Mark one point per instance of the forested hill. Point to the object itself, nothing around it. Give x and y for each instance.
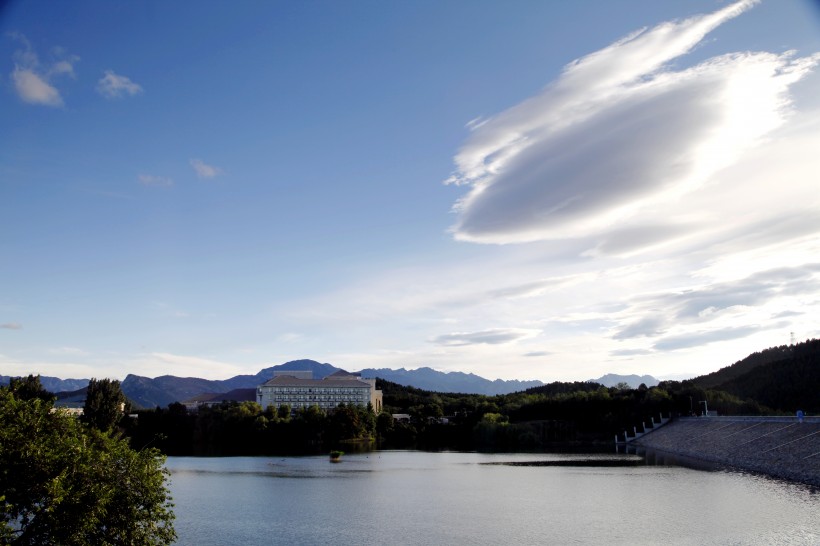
(748, 364)
(559, 387)
(785, 378)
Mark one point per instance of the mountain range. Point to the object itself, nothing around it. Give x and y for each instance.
(160, 391)
(53, 384)
(429, 379)
(634, 381)
(782, 377)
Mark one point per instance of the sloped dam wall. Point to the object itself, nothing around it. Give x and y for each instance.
(781, 447)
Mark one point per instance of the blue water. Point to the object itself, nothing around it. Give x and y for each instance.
(457, 498)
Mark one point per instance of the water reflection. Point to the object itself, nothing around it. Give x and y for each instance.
(436, 498)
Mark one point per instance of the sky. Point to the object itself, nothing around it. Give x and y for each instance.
(526, 190)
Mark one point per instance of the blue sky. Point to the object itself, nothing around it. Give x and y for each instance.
(535, 190)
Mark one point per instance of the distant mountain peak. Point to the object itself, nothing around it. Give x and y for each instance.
(633, 380)
(428, 379)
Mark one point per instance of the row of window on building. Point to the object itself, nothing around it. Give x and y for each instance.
(285, 398)
(320, 390)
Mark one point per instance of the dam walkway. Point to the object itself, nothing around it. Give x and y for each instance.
(777, 446)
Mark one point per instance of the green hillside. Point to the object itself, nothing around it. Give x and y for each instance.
(787, 383)
(742, 367)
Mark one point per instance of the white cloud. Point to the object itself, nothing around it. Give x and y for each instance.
(188, 366)
(768, 302)
(114, 86)
(11, 326)
(68, 362)
(63, 67)
(673, 210)
(33, 79)
(33, 89)
(494, 336)
(156, 181)
(72, 351)
(705, 337)
(620, 135)
(169, 310)
(203, 170)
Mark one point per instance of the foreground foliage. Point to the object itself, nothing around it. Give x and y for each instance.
(64, 483)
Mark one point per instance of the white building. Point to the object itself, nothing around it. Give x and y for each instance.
(299, 392)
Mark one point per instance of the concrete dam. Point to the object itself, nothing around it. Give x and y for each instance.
(782, 447)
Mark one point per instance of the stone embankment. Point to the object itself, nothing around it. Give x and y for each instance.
(777, 446)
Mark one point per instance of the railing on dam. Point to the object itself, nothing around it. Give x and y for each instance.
(646, 427)
(638, 431)
(755, 418)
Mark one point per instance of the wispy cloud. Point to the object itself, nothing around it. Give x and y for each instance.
(71, 351)
(703, 305)
(169, 310)
(534, 354)
(12, 326)
(114, 86)
(696, 339)
(203, 170)
(618, 134)
(70, 362)
(191, 365)
(34, 80)
(155, 181)
(631, 352)
(645, 327)
(494, 336)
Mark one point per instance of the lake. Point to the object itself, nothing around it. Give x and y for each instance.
(410, 497)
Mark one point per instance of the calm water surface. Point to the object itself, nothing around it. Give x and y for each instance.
(398, 497)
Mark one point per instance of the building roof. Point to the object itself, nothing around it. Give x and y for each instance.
(301, 374)
(330, 381)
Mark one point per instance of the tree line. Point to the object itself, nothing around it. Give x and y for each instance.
(244, 428)
(554, 416)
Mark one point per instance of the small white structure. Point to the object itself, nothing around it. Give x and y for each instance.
(74, 412)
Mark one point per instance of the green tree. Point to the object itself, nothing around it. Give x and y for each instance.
(384, 424)
(63, 483)
(494, 418)
(345, 423)
(104, 404)
(29, 388)
(368, 419)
